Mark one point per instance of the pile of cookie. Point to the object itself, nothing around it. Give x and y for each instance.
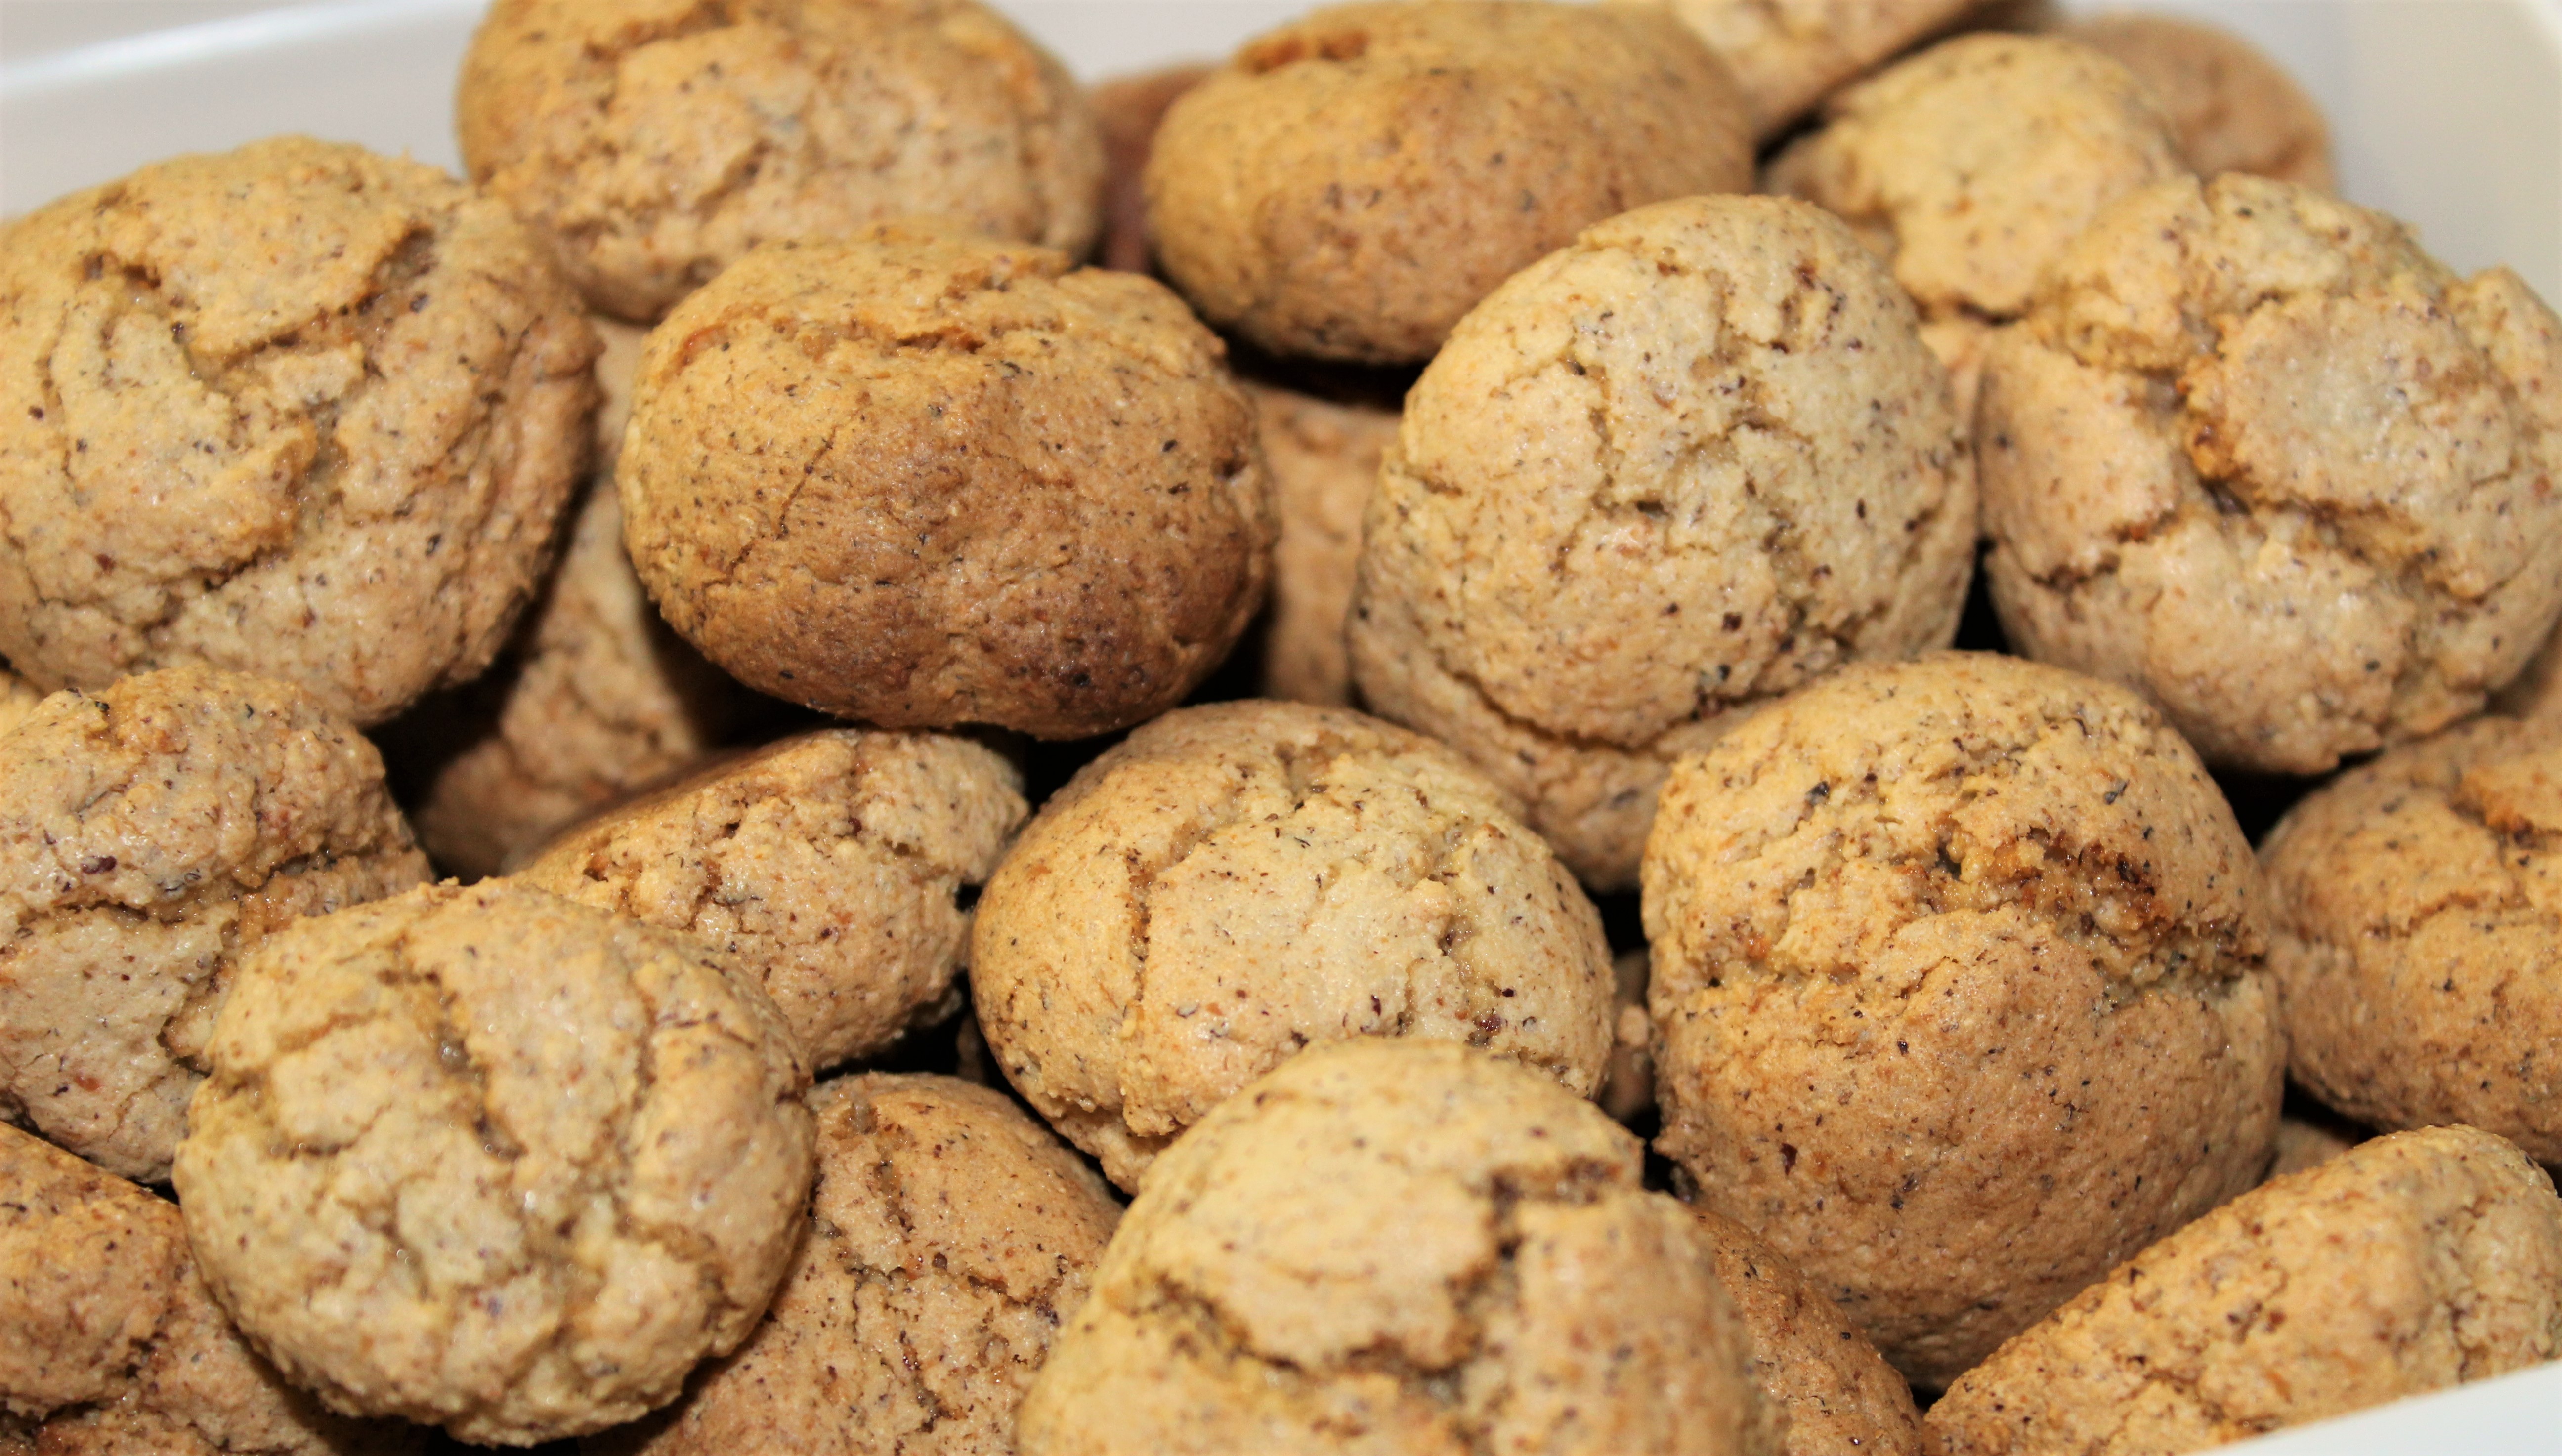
(816, 623)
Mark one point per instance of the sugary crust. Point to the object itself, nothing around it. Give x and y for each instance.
(2232, 108)
(1787, 55)
(1324, 460)
(1841, 1396)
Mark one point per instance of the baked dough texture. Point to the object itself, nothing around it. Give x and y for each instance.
(2418, 905)
(1787, 55)
(295, 410)
(2303, 1143)
(2411, 1263)
(485, 1159)
(1666, 474)
(1395, 1247)
(950, 1238)
(1129, 109)
(1324, 460)
(831, 866)
(2257, 456)
(18, 699)
(1842, 1397)
(1233, 883)
(1350, 184)
(2231, 107)
(1958, 991)
(651, 143)
(150, 835)
(924, 480)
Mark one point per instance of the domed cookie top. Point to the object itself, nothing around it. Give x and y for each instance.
(1787, 54)
(2231, 107)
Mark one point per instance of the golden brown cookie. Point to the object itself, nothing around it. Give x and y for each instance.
(654, 142)
(2304, 1142)
(1957, 995)
(1842, 1397)
(1628, 1083)
(1698, 458)
(2257, 456)
(2418, 906)
(1129, 108)
(2411, 1263)
(950, 1237)
(1324, 460)
(1395, 1247)
(18, 699)
(485, 1159)
(295, 410)
(1348, 185)
(2534, 694)
(2231, 107)
(150, 835)
(1048, 510)
(1787, 54)
(834, 866)
(1234, 882)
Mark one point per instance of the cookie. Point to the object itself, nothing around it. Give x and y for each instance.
(1397, 1246)
(1628, 1083)
(2257, 456)
(2534, 694)
(1348, 185)
(1786, 54)
(1667, 475)
(1958, 991)
(1840, 1394)
(2305, 1142)
(2418, 938)
(1129, 109)
(950, 1238)
(836, 867)
(1233, 883)
(150, 837)
(257, 409)
(1049, 515)
(488, 1159)
(2231, 107)
(1324, 460)
(652, 144)
(18, 699)
(2411, 1263)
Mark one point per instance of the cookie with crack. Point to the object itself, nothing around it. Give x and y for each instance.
(1786, 54)
(2231, 107)
(2411, 1263)
(1324, 459)
(2257, 456)
(490, 1159)
(150, 837)
(950, 1238)
(651, 143)
(1402, 1247)
(1958, 991)
(1689, 463)
(1840, 1394)
(257, 408)
(1348, 185)
(1049, 512)
(1233, 883)
(834, 867)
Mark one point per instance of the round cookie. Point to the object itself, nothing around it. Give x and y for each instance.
(1130, 109)
(1628, 1086)
(2418, 949)
(1956, 991)
(1234, 882)
(259, 410)
(1324, 460)
(1348, 185)
(2232, 108)
(2411, 1263)
(2257, 456)
(1691, 463)
(1398, 1246)
(1057, 518)
(150, 835)
(834, 867)
(1840, 1394)
(950, 1237)
(485, 1159)
(651, 143)
(1787, 55)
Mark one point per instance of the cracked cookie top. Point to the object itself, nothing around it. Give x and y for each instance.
(257, 409)
(1235, 882)
(487, 1159)
(924, 480)
(1398, 1246)
(150, 835)
(2409, 1263)
(2256, 455)
(654, 143)
(1682, 466)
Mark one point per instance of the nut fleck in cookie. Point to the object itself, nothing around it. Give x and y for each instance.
(1956, 993)
(1349, 184)
(1840, 1394)
(832, 866)
(1324, 460)
(150, 835)
(950, 1238)
(1685, 465)
(654, 142)
(485, 1159)
(1787, 54)
(295, 410)
(2231, 107)
(2257, 456)
(2419, 924)
(2411, 1263)
(925, 479)
(1235, 882)
(1397, 1246)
